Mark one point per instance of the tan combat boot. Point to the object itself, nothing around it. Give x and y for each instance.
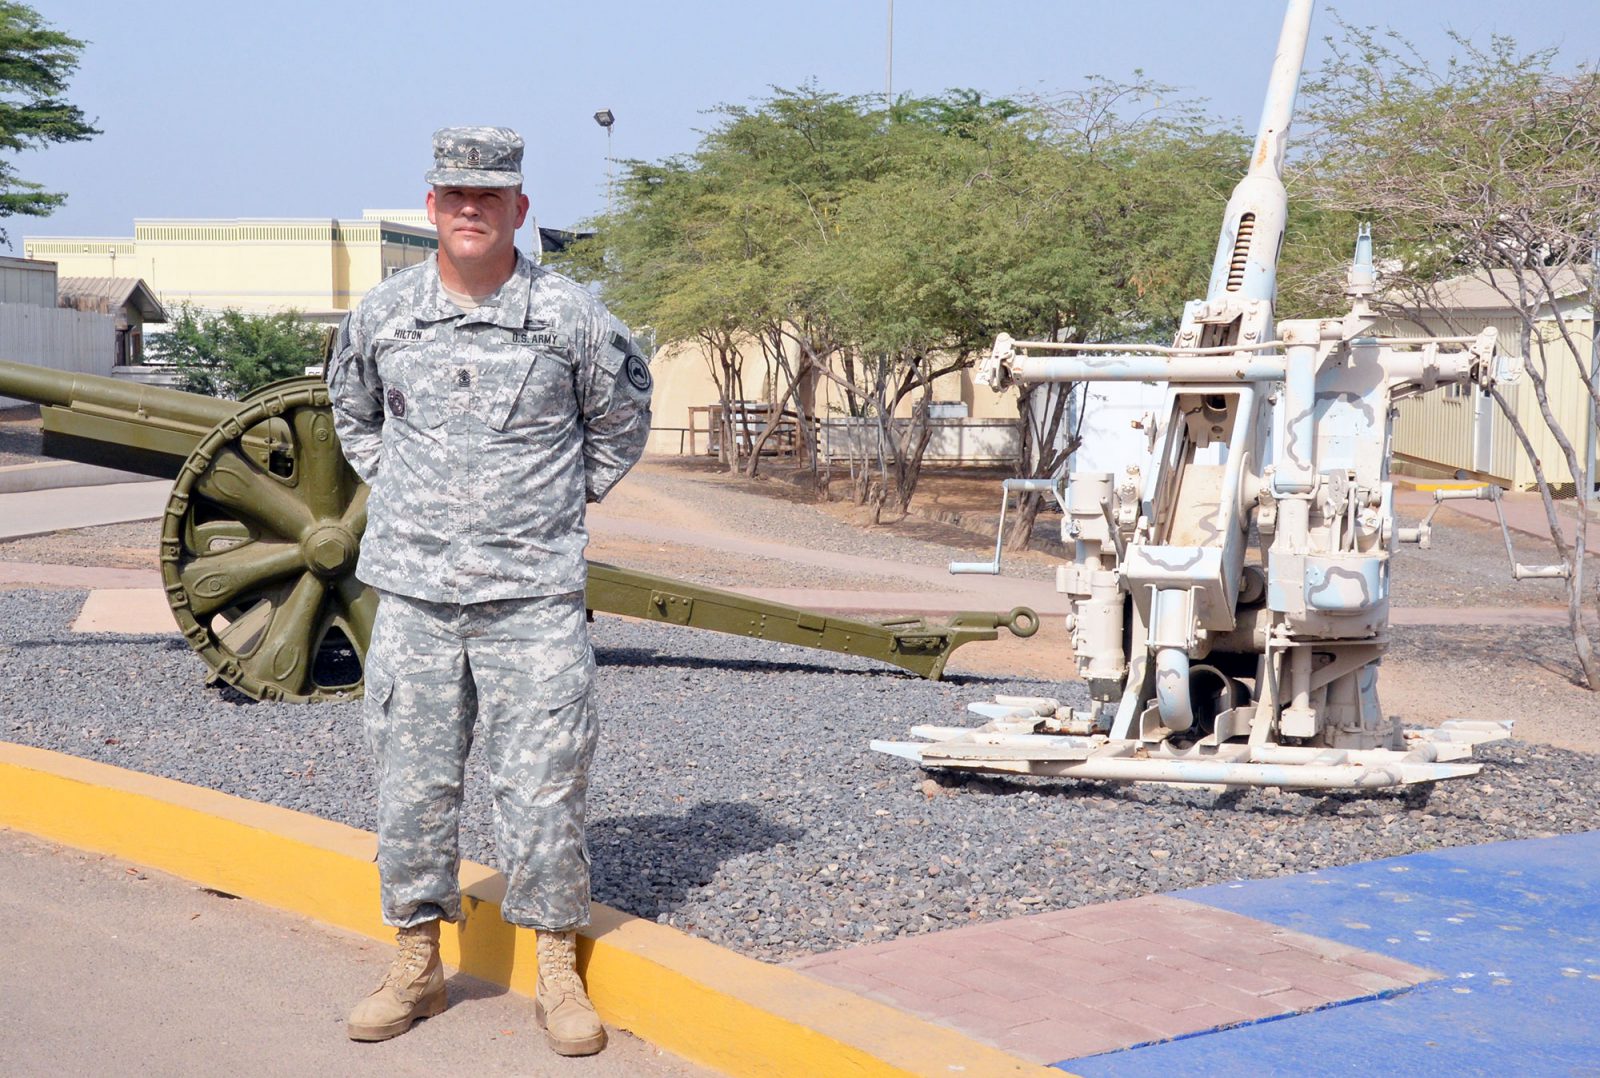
(413, 988)
(562, 1005)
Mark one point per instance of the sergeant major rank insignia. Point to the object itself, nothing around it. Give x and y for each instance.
(397, 402)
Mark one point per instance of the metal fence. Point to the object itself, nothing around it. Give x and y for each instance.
(58, 338)
(950, 441)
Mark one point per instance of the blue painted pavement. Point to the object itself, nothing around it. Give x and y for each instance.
(1514, 927)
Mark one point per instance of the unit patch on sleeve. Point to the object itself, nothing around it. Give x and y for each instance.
(637, 373)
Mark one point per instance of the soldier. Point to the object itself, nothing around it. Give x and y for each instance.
(484, 399)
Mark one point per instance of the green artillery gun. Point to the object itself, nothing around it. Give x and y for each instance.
(261, 532)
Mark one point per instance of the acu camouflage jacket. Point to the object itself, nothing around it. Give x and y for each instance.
(482, 434)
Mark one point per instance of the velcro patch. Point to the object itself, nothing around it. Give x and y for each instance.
(407, 335)
(637, 373)
(396, 401)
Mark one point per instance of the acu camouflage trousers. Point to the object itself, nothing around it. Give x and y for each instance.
(525, 670)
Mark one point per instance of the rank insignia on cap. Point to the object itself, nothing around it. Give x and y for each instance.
(397, 402)
(637, 373)
(476, 157)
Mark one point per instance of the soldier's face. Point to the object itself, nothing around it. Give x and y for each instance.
(477, 223)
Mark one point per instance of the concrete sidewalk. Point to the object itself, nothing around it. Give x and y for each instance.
(39, 512)
(114, 969)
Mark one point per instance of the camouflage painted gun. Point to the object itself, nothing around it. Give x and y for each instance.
(260, 535)
(1230, 580)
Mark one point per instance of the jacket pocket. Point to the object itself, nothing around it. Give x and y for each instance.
(532, 392)
(503, 386)
(415, 392)
(418, 403)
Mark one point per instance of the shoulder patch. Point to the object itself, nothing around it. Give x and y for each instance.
(637, 373)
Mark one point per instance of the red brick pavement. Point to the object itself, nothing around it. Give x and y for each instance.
(1057, 986)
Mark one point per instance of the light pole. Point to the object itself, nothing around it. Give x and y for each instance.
(888, 63)
(605, 119)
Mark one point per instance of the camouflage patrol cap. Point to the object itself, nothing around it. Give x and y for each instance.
(476, 157)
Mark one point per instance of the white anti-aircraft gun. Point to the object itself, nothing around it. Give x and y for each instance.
(1214, 655)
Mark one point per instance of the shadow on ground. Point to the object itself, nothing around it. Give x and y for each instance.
(647, 865)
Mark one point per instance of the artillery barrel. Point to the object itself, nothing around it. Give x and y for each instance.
(105, 421)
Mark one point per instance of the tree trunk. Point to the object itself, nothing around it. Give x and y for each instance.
(1580, 639)
(774, 421)
(1021, 533)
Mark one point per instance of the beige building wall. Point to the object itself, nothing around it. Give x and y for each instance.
(320, 267)
(683, 380)
(1459, 427)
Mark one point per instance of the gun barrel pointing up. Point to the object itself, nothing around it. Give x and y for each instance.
(1246, 263)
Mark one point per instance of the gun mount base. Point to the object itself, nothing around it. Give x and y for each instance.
(1007, 745)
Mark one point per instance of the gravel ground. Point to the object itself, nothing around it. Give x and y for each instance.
(735, 796)
(21, 436)
(1466, 565)
(114, 546)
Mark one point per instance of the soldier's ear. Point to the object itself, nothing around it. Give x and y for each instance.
(432, 212)
(522, 208)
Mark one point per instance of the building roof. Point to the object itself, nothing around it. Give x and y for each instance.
(1475, 292)
(108, 295)
(37, 265)
(415, 215)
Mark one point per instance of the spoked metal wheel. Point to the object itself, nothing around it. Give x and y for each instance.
(258, 550)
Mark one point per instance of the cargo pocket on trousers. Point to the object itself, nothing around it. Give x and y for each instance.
(379, 686)
(563, 688)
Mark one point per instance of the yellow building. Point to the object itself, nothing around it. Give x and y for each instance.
(1459, 427)
(320, 267)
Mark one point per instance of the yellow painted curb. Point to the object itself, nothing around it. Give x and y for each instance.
(693, 998)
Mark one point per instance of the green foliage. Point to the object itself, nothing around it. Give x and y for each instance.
(232, 353)
(931, 225)
(888, 246)
(35, 64)
(1487, 161)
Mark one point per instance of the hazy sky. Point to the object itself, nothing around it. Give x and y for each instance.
(320, 109)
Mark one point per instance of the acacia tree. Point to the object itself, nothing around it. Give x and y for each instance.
(1101, 235)
(881, 249)
(788, 164)
(35, 64)
(902, 279)
(746, 237)
(1485, 166)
